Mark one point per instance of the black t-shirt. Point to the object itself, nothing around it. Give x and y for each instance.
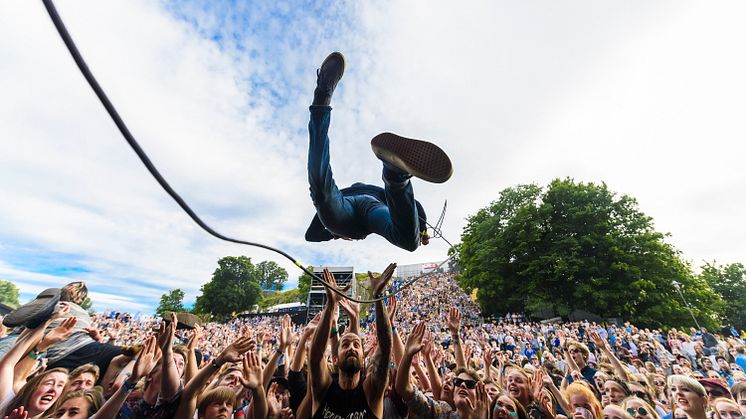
(344, 404)
(297, 388)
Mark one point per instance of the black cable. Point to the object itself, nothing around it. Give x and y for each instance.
(78, 58)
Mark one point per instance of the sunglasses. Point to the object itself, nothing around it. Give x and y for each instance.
(640, 394)
(574, 351)
(659, 383)
(641, 411)
(470, 384)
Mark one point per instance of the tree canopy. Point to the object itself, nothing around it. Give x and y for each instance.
(9, 294)
(729, 281)
(234, 287)
(271, 275)
(171, 301)
(574, 246)
(304, 285)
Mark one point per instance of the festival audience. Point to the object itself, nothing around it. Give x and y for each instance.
(423, 353)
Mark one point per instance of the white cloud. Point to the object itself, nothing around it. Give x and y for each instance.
(648, 97)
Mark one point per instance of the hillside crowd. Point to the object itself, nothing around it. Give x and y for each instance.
(423, 353)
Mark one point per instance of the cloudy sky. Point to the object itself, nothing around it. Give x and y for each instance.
(647, 96)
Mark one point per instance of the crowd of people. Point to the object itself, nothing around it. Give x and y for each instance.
(423, 353)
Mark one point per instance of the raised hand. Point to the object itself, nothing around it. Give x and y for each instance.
(378, 285)
(146, 360)
(332, 296)
(598, 340)
(61, 312)
(235, 350)
(194, 336)
(487, 356)
(537, 383)
(453, 320)
(19, 413)
(252, 371)
(414, 341)
(427, 345)
(113, 331)
(391, 308)
(467, 353)
(273, 400)
(481, 407)
(350, 307)
(439, 357)
(286, 331)
(59, 333)
(92, 332)
(548, 383)
(166, 334)
(561, 337)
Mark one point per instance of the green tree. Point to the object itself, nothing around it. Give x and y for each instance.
(578, 246)
(9, 293)
(271, 275)
(171, 301)
(281, 297)
(729, 281)
(304, 285)
(234, 287)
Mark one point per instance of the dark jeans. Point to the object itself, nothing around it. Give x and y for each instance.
(357, 216)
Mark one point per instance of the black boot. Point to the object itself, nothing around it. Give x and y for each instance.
(327, 77)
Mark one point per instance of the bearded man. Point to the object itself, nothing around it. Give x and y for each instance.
(346, 394)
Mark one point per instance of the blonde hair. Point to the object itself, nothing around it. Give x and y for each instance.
(723, 400)
(24, 395)
(581, 347)
(689, 382)
(86, 368)
(220, 394)
(94, 398)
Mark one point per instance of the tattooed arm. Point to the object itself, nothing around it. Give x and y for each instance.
(377, 380)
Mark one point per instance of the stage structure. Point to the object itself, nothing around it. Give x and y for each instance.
(317, 295)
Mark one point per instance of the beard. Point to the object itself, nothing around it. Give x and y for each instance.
(350, 365)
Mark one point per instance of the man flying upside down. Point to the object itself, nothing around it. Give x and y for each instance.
(355, 212)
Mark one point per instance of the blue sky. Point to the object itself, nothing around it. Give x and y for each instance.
(646, 96)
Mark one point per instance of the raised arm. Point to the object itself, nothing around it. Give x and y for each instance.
(252, 379)
(286, 330)
(319, 371)
(397, 347)
(24, 367)
(403, 385)
(353, 312)
(549, 383)
(23, 345)
(432, 371)
(377, 380)
(299, 356)
(146, 360)
(170, 379)
(232, 353)
(191, 368)
(453, 321)
(602, 344)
